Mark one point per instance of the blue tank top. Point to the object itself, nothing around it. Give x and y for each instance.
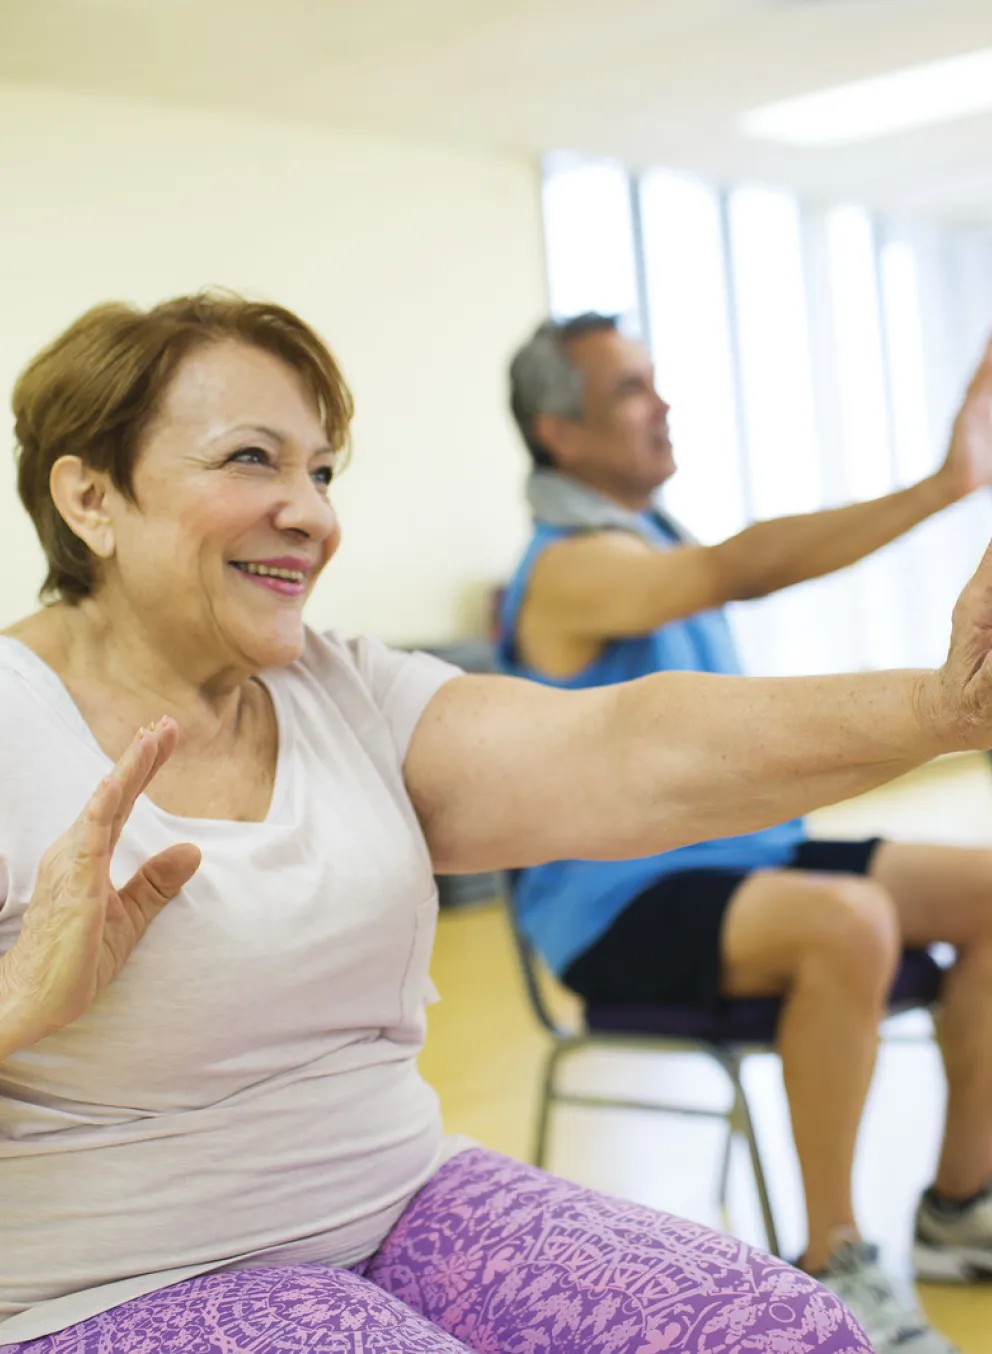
(565, 906)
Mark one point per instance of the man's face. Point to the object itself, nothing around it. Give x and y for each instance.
(622, 444)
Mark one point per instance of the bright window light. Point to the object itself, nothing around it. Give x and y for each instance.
(773, 335)
(691, 343)
(859, 352)
(589, 233)
(918, 96)
(781, 634)
(907, 364)
(872, 593)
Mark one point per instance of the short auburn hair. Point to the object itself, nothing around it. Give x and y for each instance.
(93, 392)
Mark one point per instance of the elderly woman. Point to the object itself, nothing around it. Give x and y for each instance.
(213, 1133)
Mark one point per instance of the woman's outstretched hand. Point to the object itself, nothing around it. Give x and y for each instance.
(956, 699)
(78, 930)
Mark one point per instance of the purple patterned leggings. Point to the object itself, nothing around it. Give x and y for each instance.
(495, 1256)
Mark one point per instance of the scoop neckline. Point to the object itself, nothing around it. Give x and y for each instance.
(71, 715)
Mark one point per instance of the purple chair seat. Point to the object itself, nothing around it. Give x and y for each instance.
(752, 1021)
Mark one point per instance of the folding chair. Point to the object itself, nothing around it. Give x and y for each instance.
(727, 1035)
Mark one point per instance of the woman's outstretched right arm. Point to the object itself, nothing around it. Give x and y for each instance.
(507, 773)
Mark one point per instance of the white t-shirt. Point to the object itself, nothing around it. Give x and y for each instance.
(246, 1090)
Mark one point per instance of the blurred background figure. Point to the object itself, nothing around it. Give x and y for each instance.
(609, 590)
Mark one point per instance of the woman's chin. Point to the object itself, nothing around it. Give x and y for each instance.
(274, 648)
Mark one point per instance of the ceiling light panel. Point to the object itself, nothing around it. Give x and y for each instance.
(919, 96)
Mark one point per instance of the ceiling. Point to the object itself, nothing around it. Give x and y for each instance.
(649, 81)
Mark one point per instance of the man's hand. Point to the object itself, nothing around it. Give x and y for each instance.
(968, 465)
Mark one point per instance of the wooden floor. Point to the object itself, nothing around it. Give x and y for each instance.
(485, 1053)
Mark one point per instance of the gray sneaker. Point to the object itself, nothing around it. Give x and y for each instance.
(955, 1247)
(888, 1312)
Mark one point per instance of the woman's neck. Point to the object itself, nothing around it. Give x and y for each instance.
(89, 650)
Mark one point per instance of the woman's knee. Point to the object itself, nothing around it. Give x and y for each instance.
(313, 1307)
(504, 1256)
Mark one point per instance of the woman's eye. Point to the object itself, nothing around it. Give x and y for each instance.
(251, 456)
(324, 475)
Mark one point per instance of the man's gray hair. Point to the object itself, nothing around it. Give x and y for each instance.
(544, 381)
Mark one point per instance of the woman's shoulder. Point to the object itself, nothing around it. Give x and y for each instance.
(41, 751)
(22, 672)
(367, 662)
(358, 672)
(333, 660)
(45, 767)
(43, 633)
(32, 654)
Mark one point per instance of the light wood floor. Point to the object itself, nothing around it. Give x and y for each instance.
(485, 1052)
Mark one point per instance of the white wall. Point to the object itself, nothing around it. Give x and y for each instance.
(421, 267)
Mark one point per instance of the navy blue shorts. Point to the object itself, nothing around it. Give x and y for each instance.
(665, 944)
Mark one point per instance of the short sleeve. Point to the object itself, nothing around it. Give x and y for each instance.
(402, 684)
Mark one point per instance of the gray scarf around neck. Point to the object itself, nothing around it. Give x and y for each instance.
(557, 500)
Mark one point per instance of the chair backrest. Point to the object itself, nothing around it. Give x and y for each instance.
(529, 962)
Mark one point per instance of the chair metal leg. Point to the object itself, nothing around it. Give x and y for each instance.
(547, 1097)
(761, 1184)
(739, 1121)
(745, 1123)
(724, 1186)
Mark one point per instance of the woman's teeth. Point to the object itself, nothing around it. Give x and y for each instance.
(268, 571)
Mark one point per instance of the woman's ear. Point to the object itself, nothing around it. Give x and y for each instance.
(80, 495)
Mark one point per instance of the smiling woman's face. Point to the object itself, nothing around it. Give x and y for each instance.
(231, 522)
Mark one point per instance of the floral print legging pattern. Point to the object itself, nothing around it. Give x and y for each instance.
(494, 1256)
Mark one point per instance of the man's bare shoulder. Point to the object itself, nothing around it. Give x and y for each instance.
(593, 546)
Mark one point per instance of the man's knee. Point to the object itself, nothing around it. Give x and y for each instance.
(855, 932)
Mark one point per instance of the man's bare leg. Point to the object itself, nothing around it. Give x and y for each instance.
(830, 943)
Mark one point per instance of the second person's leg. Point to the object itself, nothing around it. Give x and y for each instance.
(945, 893)
(829, 944)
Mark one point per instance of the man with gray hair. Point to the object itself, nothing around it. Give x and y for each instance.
(610, 590)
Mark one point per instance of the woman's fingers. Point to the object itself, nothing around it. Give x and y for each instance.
(99, 826)
(158, 880)
(149, 751)
(93, 831)
(77, 931)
